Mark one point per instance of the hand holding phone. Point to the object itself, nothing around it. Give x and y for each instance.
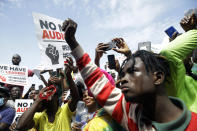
(49, 91)
(170, 31)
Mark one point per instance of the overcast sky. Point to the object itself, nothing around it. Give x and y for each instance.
(98, 21)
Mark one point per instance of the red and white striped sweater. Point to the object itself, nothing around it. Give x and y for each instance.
(111, 98)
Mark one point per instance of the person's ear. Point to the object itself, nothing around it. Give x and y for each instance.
(158, 78)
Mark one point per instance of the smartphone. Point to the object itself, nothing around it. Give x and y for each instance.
(144, 46)
(170, 31)
(111, 61)
(112, 44)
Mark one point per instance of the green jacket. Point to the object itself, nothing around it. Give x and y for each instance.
(179, 84)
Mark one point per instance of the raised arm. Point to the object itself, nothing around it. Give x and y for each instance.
(26, 120)
(73, 89)
(109, 97)
(182, 46)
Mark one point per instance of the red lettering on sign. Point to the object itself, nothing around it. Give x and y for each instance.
(22, 109)
(58, 35)
(53, 35)
(45, 34)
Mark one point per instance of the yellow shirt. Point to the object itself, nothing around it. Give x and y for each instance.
(32, 129)
(102, 122)
(62, 120)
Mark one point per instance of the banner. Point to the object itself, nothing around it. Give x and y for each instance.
(51, 41)
(21, 105)
(14, 75)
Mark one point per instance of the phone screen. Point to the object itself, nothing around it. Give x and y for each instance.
(144, 46)
(111, 45)
(111, 60)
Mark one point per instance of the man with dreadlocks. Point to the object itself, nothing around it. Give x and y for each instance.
(141, 103)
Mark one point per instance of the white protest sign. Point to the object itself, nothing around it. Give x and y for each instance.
(14, 75)
(51, 41)
(21, 105)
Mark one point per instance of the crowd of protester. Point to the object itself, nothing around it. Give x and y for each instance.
(151, 92)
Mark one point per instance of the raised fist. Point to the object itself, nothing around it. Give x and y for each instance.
(53, 54)
(69, 27)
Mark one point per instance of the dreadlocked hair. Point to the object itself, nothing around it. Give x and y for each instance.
(152, 61)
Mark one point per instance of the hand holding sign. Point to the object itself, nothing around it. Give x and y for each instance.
(53, 54)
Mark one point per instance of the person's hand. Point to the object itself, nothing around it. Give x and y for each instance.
(117, 65)
(39, 100)
(53, 54)
(174, 35)
(189, 22)
(76, 126)
(13, 126)
(118, 83)
(100, 49)
(122, 47)
(69, 66)
(42, 91)
(55, 80)
(70, 27)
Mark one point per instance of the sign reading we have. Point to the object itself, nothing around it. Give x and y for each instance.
(15, 75)
(51, 41)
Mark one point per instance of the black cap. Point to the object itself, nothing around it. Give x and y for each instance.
(5, 90)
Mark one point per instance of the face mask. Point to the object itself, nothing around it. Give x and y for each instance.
(1, 101)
